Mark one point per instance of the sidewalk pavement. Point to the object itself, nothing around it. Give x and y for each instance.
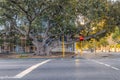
(102, 55)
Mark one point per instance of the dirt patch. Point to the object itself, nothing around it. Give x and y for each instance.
(53, 55)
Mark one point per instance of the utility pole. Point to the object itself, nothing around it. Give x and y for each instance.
(63, 47)
(94, 46)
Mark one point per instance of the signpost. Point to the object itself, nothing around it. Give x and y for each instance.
(63, 47)
(78, 45)
(81, 38)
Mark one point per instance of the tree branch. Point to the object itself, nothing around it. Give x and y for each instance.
(96, 34)
(38, 14)
(14, 2)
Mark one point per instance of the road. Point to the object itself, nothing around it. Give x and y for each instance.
(60, 69)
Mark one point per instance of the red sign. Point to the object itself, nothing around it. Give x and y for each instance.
(81, 38)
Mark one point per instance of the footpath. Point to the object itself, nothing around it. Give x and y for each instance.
(101, 55)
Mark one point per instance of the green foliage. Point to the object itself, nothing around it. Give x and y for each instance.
(96, 13)
(116, 35)
(32, 16)
(93, 9)
(104, 42)
(115, 13)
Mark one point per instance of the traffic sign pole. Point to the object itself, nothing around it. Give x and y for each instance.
(63, 47)
(81, 41)
(81, 53)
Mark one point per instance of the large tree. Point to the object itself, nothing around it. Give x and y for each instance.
(40, 20)
(44, 21)
(115, 16)
(116, 35)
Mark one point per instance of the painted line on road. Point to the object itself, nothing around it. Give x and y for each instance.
(5, 77)
(107, 65)
(25, 72)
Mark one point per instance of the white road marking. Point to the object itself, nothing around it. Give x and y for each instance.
(107, 65)
(5, 77)
(25, 72)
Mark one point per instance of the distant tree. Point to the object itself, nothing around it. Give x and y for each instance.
(116, 35)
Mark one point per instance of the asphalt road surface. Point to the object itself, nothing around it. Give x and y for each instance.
(60, 69)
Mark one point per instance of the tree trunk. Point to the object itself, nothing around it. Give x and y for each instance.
(47, 50)
(40, 49)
